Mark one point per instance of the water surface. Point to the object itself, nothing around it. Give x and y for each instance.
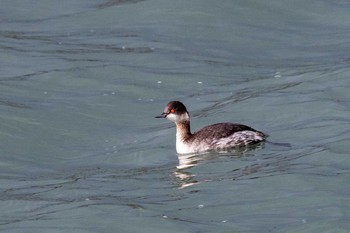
(80, 85)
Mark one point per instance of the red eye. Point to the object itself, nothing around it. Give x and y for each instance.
(172, 110)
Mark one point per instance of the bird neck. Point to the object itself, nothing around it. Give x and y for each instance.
(183, 131)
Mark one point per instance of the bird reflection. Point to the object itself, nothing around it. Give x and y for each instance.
(185, 178)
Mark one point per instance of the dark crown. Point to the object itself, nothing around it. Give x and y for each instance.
(178, 107)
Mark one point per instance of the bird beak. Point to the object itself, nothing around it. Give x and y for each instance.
(163, 115)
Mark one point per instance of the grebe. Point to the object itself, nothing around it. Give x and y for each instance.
(219, 136)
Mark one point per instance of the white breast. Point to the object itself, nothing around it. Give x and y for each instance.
(182, 148)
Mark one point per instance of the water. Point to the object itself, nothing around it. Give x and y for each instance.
(81, 82)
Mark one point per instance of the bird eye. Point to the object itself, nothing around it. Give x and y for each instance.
(172, 110)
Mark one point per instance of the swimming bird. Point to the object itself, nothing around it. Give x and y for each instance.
(220, 136)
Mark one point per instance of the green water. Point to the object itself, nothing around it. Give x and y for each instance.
(81, 82)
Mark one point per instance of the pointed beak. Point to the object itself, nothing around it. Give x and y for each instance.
(163, 115)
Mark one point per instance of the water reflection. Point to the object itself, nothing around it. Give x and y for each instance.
(185, 178)
(280, 162)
